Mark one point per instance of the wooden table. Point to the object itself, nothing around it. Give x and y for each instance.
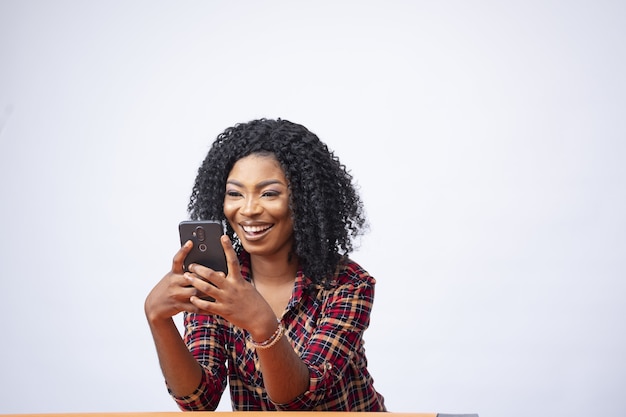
(228, 414)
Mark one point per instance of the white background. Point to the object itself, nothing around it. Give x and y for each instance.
(488, 139)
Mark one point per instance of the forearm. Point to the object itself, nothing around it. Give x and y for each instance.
(180, 369)
(285, 375)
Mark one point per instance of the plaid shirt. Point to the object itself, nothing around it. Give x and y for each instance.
(325, 327)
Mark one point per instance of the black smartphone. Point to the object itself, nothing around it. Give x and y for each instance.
(207, 249)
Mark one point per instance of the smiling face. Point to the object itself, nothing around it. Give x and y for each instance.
(256, 204)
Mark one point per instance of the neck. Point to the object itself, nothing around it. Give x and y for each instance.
(273, 271)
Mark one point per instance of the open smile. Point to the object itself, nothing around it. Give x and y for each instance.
(256, 231)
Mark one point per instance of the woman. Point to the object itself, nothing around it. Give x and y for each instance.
(287, 321)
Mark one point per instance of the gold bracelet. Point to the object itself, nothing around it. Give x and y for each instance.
(271, 341)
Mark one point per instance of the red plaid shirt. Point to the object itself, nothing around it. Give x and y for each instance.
(325, 327)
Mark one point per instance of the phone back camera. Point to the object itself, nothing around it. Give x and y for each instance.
(200, 234)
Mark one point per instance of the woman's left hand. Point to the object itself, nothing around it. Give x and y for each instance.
(236, 299)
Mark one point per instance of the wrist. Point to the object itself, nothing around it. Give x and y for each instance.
(264, 329)
(156, 321)
(271, 340)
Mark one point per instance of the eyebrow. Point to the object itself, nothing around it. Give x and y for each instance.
(259, 185)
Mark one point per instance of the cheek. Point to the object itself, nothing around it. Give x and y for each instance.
(288, 220)
(229, 210)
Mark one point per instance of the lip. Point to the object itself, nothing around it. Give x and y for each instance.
(255, 231)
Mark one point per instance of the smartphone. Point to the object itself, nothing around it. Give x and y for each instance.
(207, 249)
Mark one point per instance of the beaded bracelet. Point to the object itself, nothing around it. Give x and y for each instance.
(272, 340)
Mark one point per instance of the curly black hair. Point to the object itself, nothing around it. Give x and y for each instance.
(327, 210)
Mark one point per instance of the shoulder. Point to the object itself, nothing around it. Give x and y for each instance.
(351, 273)
(349, 296)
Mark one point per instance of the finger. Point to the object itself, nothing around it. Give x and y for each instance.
(207, 274)
(202, 305)
(179, 258)
(201, 285)
(231, 256)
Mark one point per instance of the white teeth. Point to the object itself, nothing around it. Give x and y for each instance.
(254, 229)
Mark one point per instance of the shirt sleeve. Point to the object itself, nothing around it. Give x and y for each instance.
(336, 339)
(205, 338)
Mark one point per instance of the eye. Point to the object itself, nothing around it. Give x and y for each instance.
(270, 193)
(233, 193)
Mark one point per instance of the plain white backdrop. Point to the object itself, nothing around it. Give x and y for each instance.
(488, 140)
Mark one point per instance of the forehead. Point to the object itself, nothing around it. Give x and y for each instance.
(257, 167)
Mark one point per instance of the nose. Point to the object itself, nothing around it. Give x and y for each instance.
(251, 207)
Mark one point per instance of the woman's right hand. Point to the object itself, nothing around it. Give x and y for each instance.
(171, 295)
